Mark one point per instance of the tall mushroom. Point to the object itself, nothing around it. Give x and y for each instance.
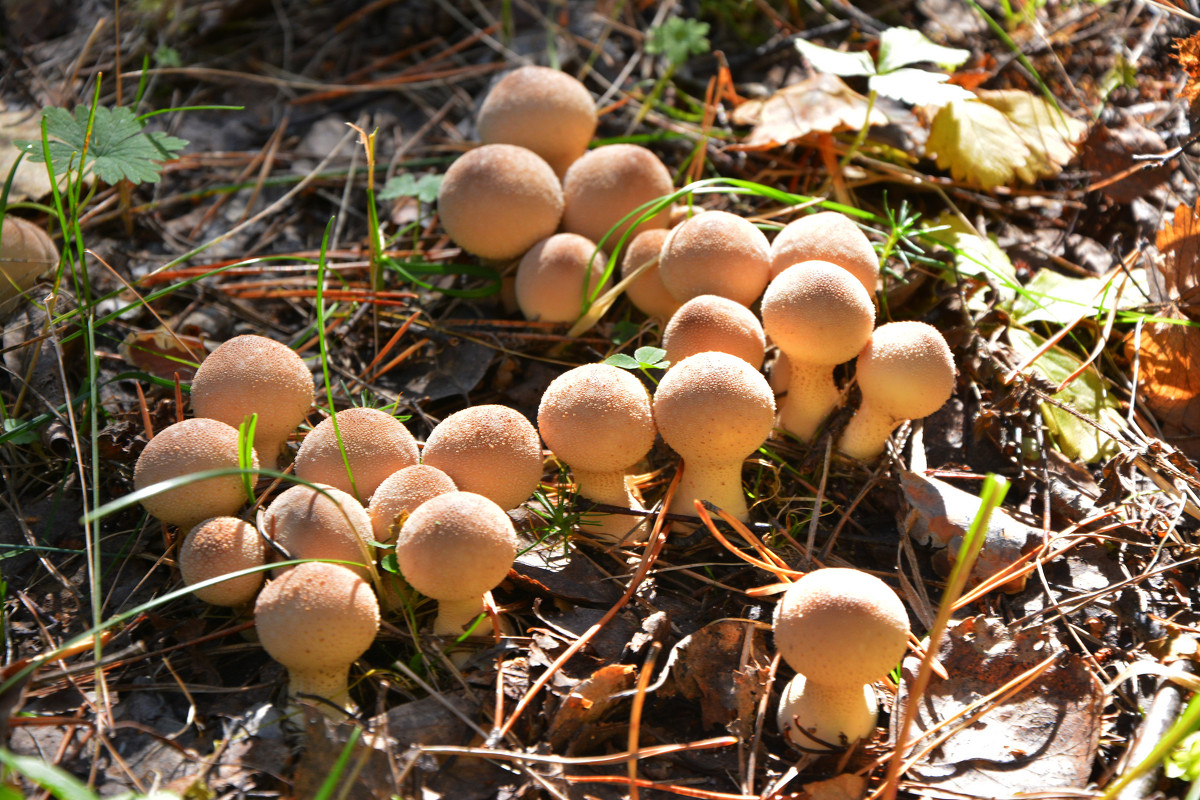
(376, 444)
(556, 275)
(490, 449)
(712, 322)
(401, 493)
(715, 252)
(607, 183)
(326, 523)
(827, 236)
(219, 546)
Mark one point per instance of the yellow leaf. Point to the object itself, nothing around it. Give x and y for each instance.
(977, 143)
(1048, 132)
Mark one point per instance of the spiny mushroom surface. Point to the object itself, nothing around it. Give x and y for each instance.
(255, 375)
(491, 450)
(401, 493)
(26, 251)
(498, 200)
(185, 448)
(906, 371)
(556, 274)
(543, 110)
(308, 523)
(607, 183)
(219, 546)
(711, 322)
(714, 410)
(715, 252)
(840, 629)
(827, 236)
(316, 620)
(647, 292)
(598, 420)
(376, 445)
(454, 548)
(820, 316)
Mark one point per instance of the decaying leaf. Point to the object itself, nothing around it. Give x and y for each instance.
(1042, 738)
(846, 786)
(820, 104)
(709, 666)
(162, 354)
(588, 702)
(1051, 296)
(1189, 59)
(1168, 358)
(976, 255)
(1179, 270)
(32, 181)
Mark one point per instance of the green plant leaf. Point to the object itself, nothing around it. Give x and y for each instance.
(60, 783)
(424, 189)
(25, 434)
(622, 360)
(976, 256)
(823, 59)
(918, 87)
(1056, 298)
(899, 47)
(650, 356)
(678, 39)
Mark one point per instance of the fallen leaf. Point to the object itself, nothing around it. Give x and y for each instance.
(1179, 244)
(1168, 363)
(1051, 296)
(1047, 131)
(820, 104)
(977, 256)
(1189, 58)
(32, 182)
(587, 704)
(1108, 152)
(846, 786)
(708, 665)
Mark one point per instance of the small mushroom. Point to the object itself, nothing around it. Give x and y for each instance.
(556, 275)
(26, 251)
(827, 236)
(607, 183)
(598, 420)
(376, 444)
(331, 524)
(820, 316)
(906, 371)
(455, 548)
(841, 630)
(401, 493)
(185, 448)
(715, 252)
(541, 109)
(711, 322)
(647, 292)
(498, 200)
(714, 410)
(219, 546)
(491, 450)
(255, 375)
(316, 620)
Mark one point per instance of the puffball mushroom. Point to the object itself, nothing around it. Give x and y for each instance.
(556, 274)
(715, 252)
(711, 322)
(607, 183)
(598, 420)
(647, 292)
(219, 546)
(185, 448)
(308, 523)
(26, 251)
(820, 316)
(543, 110)
(376, 444)
(827, 236)
(491, 450)
(454, 548)
(316, 620)
(840, 629)
(498, 200)
(906, 371)
(255, 375)
(714, 410)
(401, 493)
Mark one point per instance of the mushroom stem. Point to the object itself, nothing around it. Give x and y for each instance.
(867, 433)
(455, 615)
(811, 396)
(718, 483)
(820, 716)
(609, 488)
(330, 683)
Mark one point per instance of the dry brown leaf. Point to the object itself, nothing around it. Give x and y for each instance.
(713, 666)
(1189, 59)
(32, 181)
(588, 703)
(820, 104)
(1179, 244)
(1169, 374)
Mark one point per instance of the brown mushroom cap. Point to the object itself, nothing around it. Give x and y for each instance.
(26, 251)
(255, 375)
(554, 275)
(376, 443)
(818, 313)
(715, 252)
(906, 369)
(607, 183)
(310, 524)
(401, 493)
(647, 292)
(827, 236)
(491, 450)
(498, 200)
(711, 322)
(841, 627)
(219, 546)
(597, 418)
(187, 447)
(543, 110)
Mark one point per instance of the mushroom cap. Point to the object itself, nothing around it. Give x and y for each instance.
(597, 418)
(219, 546)
(818, 313)
(401, 493)
(906, 370)
(254, 375)
(377, 444)
(714, 407)
(455, 546)
(716, 252)
(316, 617)
(827, 236)
(543, 110)
(190, 446)
(551, 277)
(309, 524)
(712, 322)
(498, 200)
(841, 627)
(607, 183)
(26, 251)
(491, 450)
(647, 292)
